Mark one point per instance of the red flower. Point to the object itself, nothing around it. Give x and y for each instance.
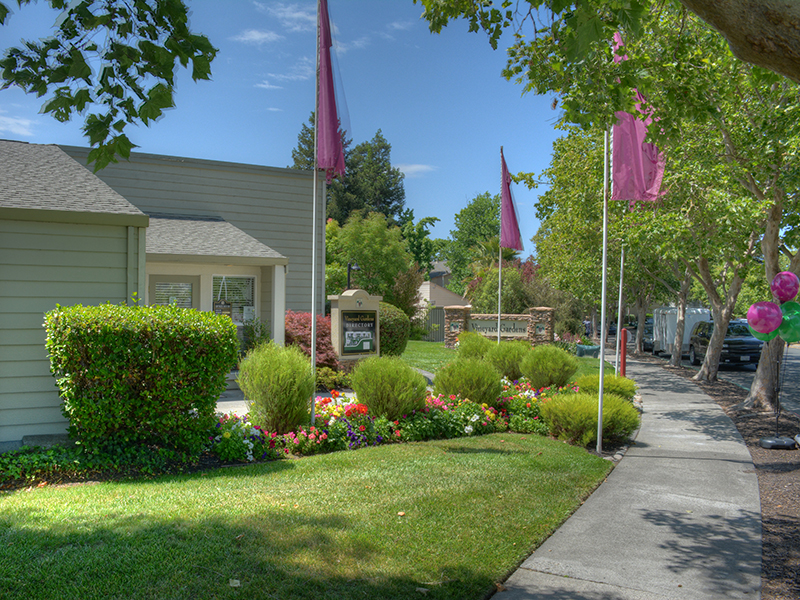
(362, 428)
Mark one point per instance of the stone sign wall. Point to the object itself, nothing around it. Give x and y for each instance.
(536, 326)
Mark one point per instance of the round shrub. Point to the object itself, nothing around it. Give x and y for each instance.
(548, 366)
(277, 383)
(573, 418)
(612, 384)
(507, 357)
(395, 329)
(388, 386)
(469, 378)
(473, 345)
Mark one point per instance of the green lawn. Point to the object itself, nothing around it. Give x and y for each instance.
(428, 356)
(431, 356)
(451, 516)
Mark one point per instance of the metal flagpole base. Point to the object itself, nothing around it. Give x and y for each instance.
(778, 443)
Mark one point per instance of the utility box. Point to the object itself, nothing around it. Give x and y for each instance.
(355, 324)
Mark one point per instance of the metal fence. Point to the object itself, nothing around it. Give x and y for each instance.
(434, 325)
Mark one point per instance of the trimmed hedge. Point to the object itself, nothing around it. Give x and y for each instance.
(140, 375)
(473, 345)
(395, 329)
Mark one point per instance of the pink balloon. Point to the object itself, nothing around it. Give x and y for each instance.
(764, 317)
(785, 285)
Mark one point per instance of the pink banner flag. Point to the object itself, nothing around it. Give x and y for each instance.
(510, 236)
(637, 167)
(330, 153)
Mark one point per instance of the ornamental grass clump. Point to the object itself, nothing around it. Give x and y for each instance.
(277, 383)
(573, 418)
(388, 387)
(612, 384)
(507, 357)
(548, 366)
(473, 345)
(469, 378)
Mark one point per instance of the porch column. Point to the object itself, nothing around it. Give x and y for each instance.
(279, 304)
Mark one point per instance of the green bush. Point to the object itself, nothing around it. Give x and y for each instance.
(612, 384)
(332, 380)
(525, 415)
(469, 378)
(388, 386)
(507, 357)
(548, 366)
(395, 329)
(473, 345)
(140, 375)
(277, 383)
(573, 418)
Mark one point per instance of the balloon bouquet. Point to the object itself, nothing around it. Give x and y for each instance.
(768, 320)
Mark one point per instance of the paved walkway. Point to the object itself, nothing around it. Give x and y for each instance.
(677, 518)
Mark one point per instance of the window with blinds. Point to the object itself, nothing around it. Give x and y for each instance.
(239, 292)
(179, 294)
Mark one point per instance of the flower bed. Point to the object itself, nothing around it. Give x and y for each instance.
(342, 423)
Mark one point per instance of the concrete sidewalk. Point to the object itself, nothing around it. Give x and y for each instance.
(678, 517)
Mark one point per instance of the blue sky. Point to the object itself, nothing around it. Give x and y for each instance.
(439, 100)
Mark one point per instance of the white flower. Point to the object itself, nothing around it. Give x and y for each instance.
(474, 418)
(468, 429)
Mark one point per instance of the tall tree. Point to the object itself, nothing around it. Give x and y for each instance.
(475, 223)
(139, 46)
(418, 242)
(370, 184)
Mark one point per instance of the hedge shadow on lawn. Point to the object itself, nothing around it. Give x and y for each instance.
(144, 556)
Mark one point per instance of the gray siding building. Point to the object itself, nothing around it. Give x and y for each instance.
(203, 234)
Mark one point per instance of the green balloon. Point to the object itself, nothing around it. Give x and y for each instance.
(790, 328)
(790, 308)
(764, 337)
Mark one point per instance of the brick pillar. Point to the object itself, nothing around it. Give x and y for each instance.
(456, 321)
(541, 327)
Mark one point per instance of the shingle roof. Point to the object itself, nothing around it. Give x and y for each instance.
(44, 177)
(204, 236)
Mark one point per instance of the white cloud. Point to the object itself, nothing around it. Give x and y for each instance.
(401, 25)
(254, 36)
(292, 17)
(266, 85)
(416, 170)
(15, 125)
(302, 70)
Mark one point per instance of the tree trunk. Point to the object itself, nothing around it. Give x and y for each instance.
(762, 390)
(680, 326)
(722, 311)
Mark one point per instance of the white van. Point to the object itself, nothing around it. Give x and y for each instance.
(665, 320)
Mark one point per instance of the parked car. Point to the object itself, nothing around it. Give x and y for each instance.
(738, 347)
(647, 336)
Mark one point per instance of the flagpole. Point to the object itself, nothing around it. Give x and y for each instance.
(500, 250)
(314, 228)
(619, 311)
(603, 294)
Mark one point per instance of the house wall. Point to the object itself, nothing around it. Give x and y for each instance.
(273, 205)
(43, 264)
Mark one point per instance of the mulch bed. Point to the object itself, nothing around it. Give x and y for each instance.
(778, 474)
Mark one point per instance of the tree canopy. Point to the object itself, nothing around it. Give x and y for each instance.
(370, 183)
(139, 45)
